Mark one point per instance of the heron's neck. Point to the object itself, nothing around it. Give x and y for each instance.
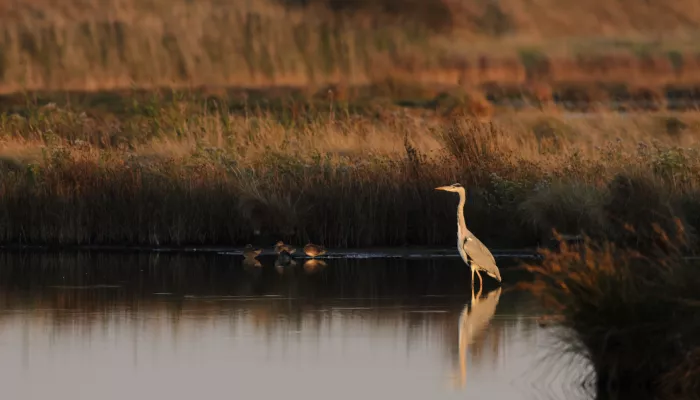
(461, 224)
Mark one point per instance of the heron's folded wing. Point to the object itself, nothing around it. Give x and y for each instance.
(479, 253)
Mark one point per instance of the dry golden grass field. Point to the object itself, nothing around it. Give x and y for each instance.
(160, 122)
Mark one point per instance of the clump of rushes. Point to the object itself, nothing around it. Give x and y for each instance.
(635, 317)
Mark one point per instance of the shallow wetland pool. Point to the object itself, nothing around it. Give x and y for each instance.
(104, 325)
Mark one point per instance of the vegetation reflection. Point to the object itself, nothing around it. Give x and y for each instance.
(635, 315)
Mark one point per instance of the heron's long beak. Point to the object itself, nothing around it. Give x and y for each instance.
(445, 188)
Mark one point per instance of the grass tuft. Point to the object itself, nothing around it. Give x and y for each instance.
(635, 317)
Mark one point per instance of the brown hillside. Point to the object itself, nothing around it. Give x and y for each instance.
(105, 44)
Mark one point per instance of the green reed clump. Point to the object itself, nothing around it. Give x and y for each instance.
(634, 316)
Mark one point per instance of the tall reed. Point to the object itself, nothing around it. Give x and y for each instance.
(175, 172)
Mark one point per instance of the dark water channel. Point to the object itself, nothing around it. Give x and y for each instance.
(164, 326)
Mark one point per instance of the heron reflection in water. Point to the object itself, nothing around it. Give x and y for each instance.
(473, 320)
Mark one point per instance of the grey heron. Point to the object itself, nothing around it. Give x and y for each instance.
(471, 249)
(313, 250)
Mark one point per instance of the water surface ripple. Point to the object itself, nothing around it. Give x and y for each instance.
(175, 326)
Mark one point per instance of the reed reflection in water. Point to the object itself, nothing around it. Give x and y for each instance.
(115, 326)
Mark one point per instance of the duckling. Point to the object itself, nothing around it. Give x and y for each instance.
(250, 252)
(313, 250)
(280, 246)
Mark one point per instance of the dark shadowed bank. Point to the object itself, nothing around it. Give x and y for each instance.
(181, 172)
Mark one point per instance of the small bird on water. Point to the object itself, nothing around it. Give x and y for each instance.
(313, 250)
(250, 252)
(280, 246)
(473, 252)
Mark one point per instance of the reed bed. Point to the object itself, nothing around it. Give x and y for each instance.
(633, 316)
(181, 171)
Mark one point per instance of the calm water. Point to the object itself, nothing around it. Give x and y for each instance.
(138, 326)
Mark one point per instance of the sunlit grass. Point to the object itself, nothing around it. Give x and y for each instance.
(617, 50)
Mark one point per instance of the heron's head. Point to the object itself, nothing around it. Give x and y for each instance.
(455, 187)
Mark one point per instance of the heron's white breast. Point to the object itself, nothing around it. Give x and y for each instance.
(462, 253)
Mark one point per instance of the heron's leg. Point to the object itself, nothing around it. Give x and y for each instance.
(472, 277)
(481, 284)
